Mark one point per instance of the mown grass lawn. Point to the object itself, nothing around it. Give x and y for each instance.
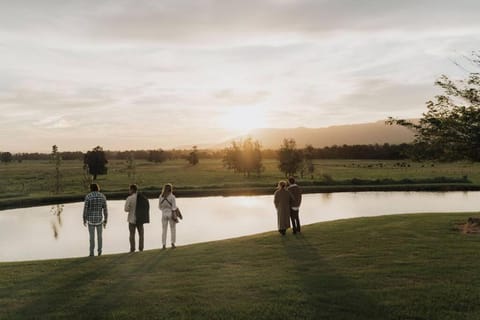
(391, 267)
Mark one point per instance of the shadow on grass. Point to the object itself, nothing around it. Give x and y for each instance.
(126, 282)
(328, 293)
(59, 289)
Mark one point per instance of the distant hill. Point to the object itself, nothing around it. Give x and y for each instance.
(364, 133)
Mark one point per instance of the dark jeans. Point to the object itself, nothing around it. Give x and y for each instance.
(91, 231)
(295, 220)
(132, 228)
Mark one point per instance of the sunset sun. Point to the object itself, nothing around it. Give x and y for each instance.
(244, 119)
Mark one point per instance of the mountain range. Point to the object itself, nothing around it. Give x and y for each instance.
(364, 133)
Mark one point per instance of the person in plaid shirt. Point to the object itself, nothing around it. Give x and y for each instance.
(95, 214)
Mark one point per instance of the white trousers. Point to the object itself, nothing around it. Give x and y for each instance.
(167, 219)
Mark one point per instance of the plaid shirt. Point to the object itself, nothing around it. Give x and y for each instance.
(92, 210)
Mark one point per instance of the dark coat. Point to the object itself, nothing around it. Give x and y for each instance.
(296, 192)
(142, 209)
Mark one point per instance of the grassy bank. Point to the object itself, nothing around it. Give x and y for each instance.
(30, 182)
(392, 267)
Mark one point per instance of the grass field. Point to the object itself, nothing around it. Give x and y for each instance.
(391, 267)
(35, 178)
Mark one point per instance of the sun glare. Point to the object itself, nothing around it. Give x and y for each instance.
(244, 119)
(246, 202)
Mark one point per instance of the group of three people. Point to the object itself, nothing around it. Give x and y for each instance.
(95, 215)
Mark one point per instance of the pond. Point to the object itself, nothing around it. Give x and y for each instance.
(57, 231)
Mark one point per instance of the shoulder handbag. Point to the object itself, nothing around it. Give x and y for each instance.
(176, 214)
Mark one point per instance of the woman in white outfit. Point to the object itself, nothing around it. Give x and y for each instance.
(167, 203)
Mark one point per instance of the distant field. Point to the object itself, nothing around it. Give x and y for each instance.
(35, 178)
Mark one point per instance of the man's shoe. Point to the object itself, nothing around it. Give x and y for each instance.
(173, 246)
(164, 247)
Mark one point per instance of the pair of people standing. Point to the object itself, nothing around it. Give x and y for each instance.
(137, 207)
(95, 215)
(287, 200)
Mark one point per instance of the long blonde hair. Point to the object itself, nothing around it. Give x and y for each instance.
(166, 190)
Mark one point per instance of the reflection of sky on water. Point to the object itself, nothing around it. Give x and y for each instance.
(29, 233)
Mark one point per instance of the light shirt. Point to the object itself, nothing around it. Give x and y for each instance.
(167, 206)
(130, 205)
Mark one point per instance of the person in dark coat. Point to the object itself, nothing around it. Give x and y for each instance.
(296, 193)
(282, 200)
(137, 207)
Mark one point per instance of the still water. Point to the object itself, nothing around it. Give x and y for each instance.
(57, 231)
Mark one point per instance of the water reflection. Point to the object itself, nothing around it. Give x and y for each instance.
(56, 222)
(326, 196)
(205, 219)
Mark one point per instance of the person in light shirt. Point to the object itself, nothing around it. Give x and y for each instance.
(167, 204)
(138, 207)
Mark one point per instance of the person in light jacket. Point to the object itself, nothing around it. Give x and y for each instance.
(137, 207)
(282, 200)
(167, 203)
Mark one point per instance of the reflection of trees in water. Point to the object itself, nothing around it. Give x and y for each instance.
(326, 196)
(56, 211)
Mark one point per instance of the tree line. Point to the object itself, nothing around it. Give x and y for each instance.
(370, 151)
(232, 155)
(149, 155)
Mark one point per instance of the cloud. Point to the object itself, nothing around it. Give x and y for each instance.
(55, 122)
(189, 21)
(158, 72)
(197, 21)
(233, 97)
(406, 100)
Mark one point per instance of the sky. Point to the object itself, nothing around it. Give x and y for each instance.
(165, 74)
